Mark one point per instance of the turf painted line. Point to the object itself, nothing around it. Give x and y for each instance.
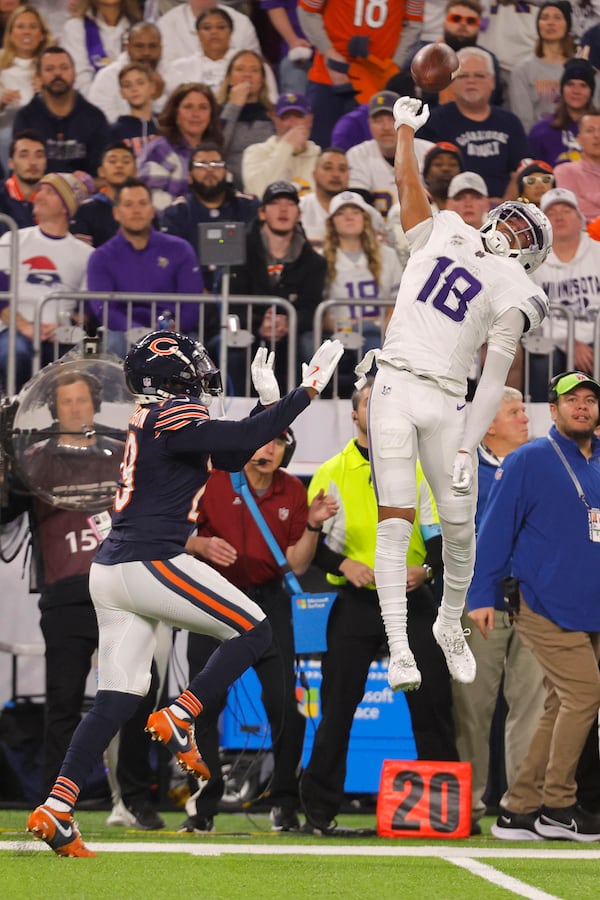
(325, 849)
(521, 888)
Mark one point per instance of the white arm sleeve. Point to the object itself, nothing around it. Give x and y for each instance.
(501, 350)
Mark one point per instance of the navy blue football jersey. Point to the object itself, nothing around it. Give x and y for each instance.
(169, 449)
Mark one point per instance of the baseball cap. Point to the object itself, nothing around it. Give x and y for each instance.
(559, 195)
(71, 189)
(382, 102)
(467, 181)
(292, 102)
(280, 189)
(348, 198)
(437, 149)
(568, 381)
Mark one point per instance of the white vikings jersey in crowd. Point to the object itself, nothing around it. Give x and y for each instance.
(355, 281)
(576, 286)
(452, 294)
(369, 170)
(313, 218)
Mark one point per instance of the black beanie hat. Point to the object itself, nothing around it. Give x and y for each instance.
(563, 5)
(581, 69)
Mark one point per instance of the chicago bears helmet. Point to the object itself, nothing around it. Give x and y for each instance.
(166, 364)
(518, 219)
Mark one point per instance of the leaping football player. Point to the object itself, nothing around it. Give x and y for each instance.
(462, 287)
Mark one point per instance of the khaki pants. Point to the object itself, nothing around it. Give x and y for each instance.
(569, 660)
(502, 653)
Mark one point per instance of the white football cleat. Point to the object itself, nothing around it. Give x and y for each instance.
(459, 659)
(403, 674)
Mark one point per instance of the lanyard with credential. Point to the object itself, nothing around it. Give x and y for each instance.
(240, 486)
(593, 513)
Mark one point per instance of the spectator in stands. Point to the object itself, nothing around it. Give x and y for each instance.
(178, 29)
(372, 162)
(468, 196)
(555, 137)
(534, 178)
(296, 50)
(330, 175)
(207, 64)
(74, 130)
(510, 34)
(354, 58)
(353, 127)
(535, 82)
(212, 197)
(190, 116)
(359, 268)
(246, 108)
(281, 263)
(27, 164)
(94, 222)
(95, 34)
(582, 176)
(143, 45)
(26, 36)
(503, 661)
(492, 140)
(137, 127)
(570, 276)
(586, 14)
(289, 155)
(460, 28)
(140, 259)
(50, 258)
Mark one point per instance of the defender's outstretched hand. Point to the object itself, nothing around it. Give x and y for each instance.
(410, 111)
(317, 373)
(263, 376)
(462, 473)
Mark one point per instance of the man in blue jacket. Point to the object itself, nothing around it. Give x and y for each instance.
(544, 513)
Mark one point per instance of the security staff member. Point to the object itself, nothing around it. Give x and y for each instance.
(355, 632)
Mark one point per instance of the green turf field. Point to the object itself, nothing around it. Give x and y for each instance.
(244, 859)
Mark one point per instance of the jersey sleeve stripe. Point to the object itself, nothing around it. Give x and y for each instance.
(312, 5)
(174, 419)
(212, 604)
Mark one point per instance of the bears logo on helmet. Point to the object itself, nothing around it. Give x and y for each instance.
(167, 365)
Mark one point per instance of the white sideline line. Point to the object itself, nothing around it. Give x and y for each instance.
(202, 848)
(501, 879)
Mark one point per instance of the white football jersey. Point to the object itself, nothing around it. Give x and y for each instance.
(451, 296)
(355, 281)
(313, 218)
(370, 171)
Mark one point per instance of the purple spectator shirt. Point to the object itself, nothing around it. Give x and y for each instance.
(166, 265)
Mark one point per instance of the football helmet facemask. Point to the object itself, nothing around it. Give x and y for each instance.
(518, 220)
(167, 364)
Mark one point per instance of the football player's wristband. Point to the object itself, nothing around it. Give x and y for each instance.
(312, 527)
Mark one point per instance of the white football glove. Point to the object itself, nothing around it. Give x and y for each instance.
(318, 371)
(410, 111)
(462, 473)
(263, 376)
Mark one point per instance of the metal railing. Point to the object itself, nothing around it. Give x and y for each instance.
(158, 303)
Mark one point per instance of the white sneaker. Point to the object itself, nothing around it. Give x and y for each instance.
(459, 659)
(120, 815)
(403, 674)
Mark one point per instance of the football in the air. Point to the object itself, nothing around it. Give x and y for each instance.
(434, 67)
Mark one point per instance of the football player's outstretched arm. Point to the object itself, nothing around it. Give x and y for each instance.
(409, 115)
